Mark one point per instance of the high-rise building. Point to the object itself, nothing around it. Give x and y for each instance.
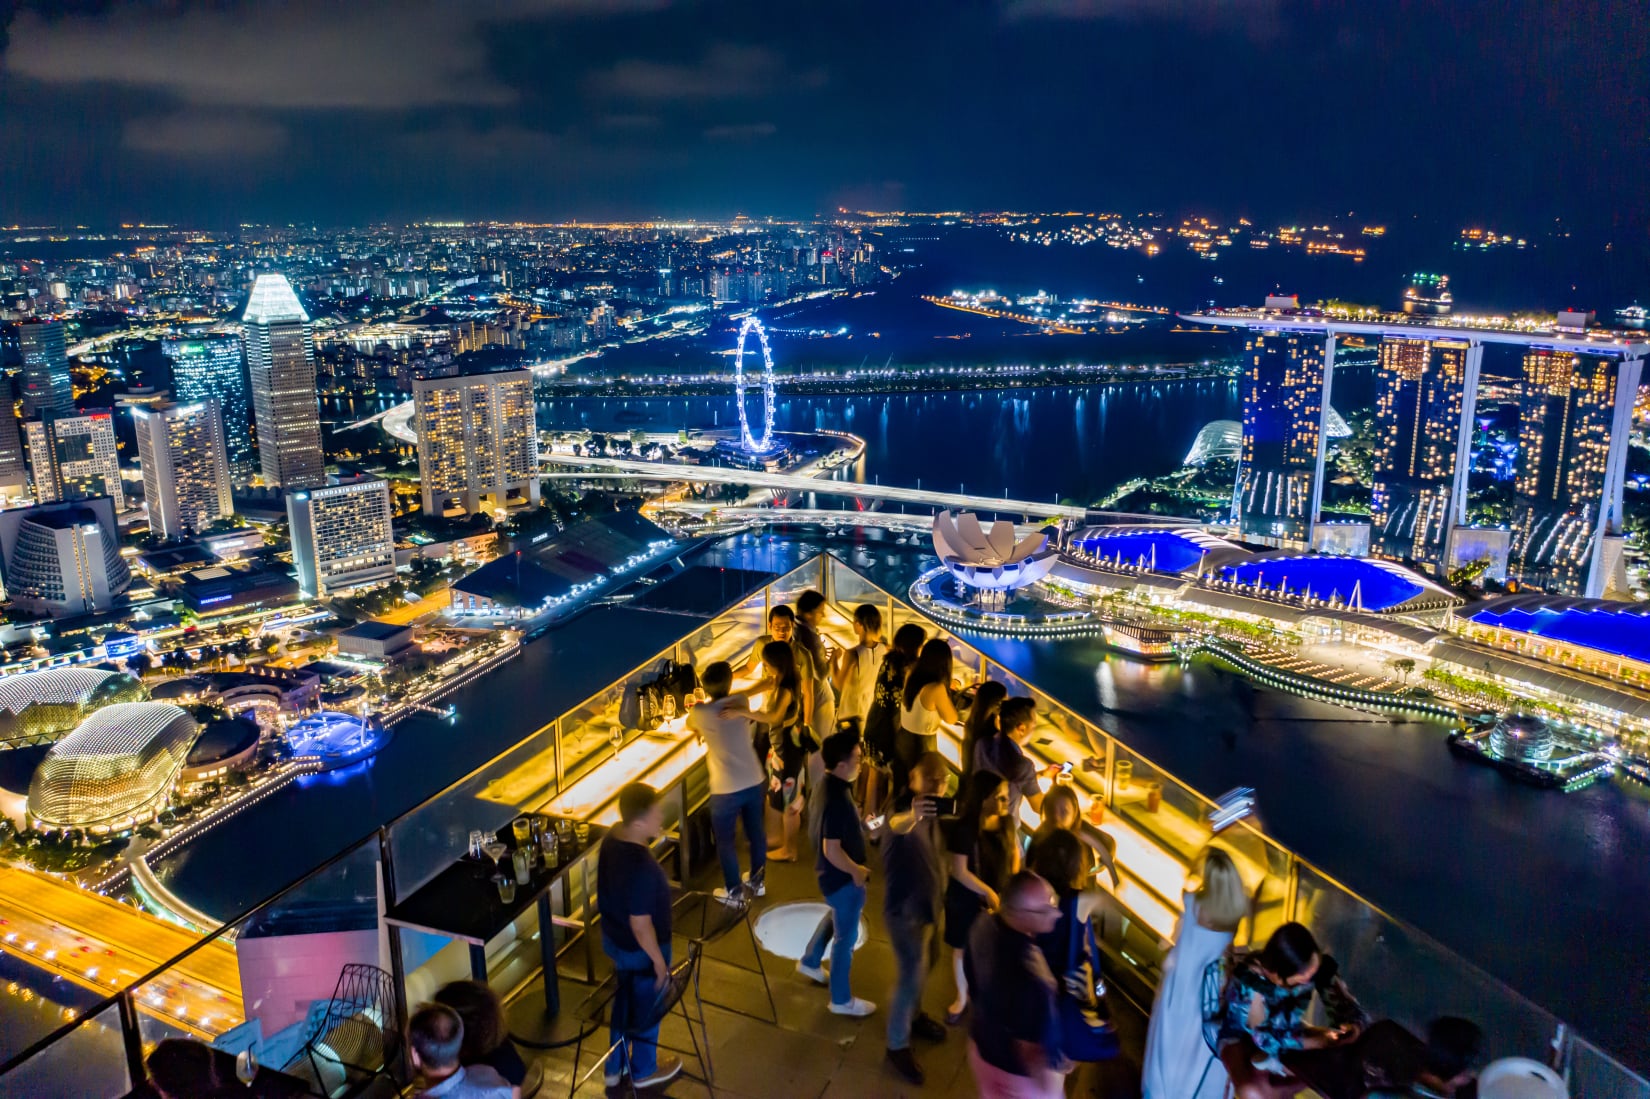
(477, 442)
(280, 364)
(185, 466)
(215, 367)
(63, 558)
(14, 474)
(1285, 400)
(1424, 405)
(47, 388)
(342, 536)
(1575, 416)
(75, 456)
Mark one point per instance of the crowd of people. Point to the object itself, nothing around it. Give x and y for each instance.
(832, 751)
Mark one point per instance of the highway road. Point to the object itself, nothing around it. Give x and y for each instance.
(105, 946)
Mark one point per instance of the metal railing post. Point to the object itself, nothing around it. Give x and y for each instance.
(398, 965)
(131, 1036)
(555, 731)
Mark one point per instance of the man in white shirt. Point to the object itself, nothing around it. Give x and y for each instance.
(738, 777)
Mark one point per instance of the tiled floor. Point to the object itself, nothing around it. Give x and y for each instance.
(810, 1053)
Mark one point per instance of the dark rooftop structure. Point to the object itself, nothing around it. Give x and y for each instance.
(702, 590)
(597, 546)
(375, 639)
(220, 589)
(220, 740)
(170, 560)
(513, 581)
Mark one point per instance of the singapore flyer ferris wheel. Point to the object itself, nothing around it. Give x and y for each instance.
(752, 442)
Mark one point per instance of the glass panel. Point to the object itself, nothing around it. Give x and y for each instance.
(849, 588)
(430, 837)
(728, 637)
(89, 1061)
(591, 731)
(1397, 972)
(1594, 1072)
(302, 982)
(798, 580)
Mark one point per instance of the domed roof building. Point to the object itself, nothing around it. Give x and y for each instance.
(39, 707)
(115, 770)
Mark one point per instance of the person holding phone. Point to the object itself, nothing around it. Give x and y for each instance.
(1004, 754)
(911, 906)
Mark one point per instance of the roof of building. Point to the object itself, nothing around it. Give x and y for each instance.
(1580, 687)
(374, 630)
(273, 301)
(169, 559)
(514, 580)
(1621, 629)
(185, 686)
(222, 740)
(62, 518)
(703, 590)
(117, 762)
(1359, 583)
(1160, 549)
(63, 686)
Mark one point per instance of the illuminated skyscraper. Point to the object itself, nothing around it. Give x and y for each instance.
(1423, 410)
(75, 456)
(1285, 398)
(185, 466)
(280, 362)
(47, 387)
(14, 474)
(63, 558)
(1575, 416)
(477, 442)
(342, 536)
(215, 367)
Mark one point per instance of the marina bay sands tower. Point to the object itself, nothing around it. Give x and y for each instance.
(1575, 398)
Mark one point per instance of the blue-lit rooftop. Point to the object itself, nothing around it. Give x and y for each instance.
(1621, 629)
(1160, 549)
(1357, 583)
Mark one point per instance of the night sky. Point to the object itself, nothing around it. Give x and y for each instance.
(1508, 112)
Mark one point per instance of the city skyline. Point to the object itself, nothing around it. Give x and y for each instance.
(558, 108)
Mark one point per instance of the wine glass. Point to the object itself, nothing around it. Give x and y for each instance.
(494, 849)
(246, 1067)
(670, 706)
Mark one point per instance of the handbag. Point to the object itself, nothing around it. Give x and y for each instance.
(1085, 1035)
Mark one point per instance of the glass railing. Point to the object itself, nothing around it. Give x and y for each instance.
(269, 981)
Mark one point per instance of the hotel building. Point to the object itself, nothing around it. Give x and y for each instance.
(185, 466)
(214, 367)
(74, 456)
(342, 536)
(477, 442)
(1423, 410)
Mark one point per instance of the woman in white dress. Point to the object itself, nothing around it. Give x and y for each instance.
(1179, 1063)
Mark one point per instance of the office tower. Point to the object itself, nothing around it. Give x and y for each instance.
(477, 442)
(47, 387)
(1285, 399)
(1575, 415)
(1428, 295)
(185, 466)
(215, 367)
(1424, 405)
(75, 456)
(63, 558)
(280, 364)
(341, 536)
(14, 474)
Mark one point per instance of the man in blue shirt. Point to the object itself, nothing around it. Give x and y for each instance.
(435, 1035)
(842, 875)
(633, 897)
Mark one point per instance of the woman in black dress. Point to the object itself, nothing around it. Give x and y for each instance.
(983, 849)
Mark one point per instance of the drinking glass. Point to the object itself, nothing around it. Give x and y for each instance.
(523, 829)
(494, 849)
(477, 839)
(523, 862)
(670, 706)
(549, 847)
(582, 831)
(246, 1067)
(506, 888)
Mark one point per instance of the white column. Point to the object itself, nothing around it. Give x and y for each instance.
(1323, 432)
(1615, 471)
(1463, 441)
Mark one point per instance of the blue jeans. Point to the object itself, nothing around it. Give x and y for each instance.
(840, 931)
(632, 1004)
(915, 942)
(726, 810)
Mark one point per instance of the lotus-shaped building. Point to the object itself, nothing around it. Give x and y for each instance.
(991, 559)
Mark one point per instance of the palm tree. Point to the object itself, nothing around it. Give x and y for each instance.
(1403, 666)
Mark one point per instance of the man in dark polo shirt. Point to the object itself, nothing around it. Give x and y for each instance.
(1014, 1034)
(633, 897)
(913, 864)
(842, 876)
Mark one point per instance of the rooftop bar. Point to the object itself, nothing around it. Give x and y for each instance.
(291, 948)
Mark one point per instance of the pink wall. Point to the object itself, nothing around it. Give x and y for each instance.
(281, 974)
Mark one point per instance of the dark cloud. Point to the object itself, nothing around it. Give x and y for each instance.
(741, 131)
(231, 110)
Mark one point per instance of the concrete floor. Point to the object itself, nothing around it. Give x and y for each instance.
(809, 1053)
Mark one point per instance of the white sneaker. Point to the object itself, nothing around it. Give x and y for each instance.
(761, 887)
(613, 1079)
(669, 1068)
(732, 900)
(814, 974)
(857, 1008)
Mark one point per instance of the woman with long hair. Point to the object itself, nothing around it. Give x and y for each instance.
(984, 852)
(783, 742)
(882, 722)
(1071, 951)
(925, 704)
(1179, 1063)
(1063, 812)
(486, 1036)
(982, 719)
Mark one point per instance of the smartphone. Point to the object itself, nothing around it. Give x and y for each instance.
(1065, 769)
(873, 823)
(944, 807)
